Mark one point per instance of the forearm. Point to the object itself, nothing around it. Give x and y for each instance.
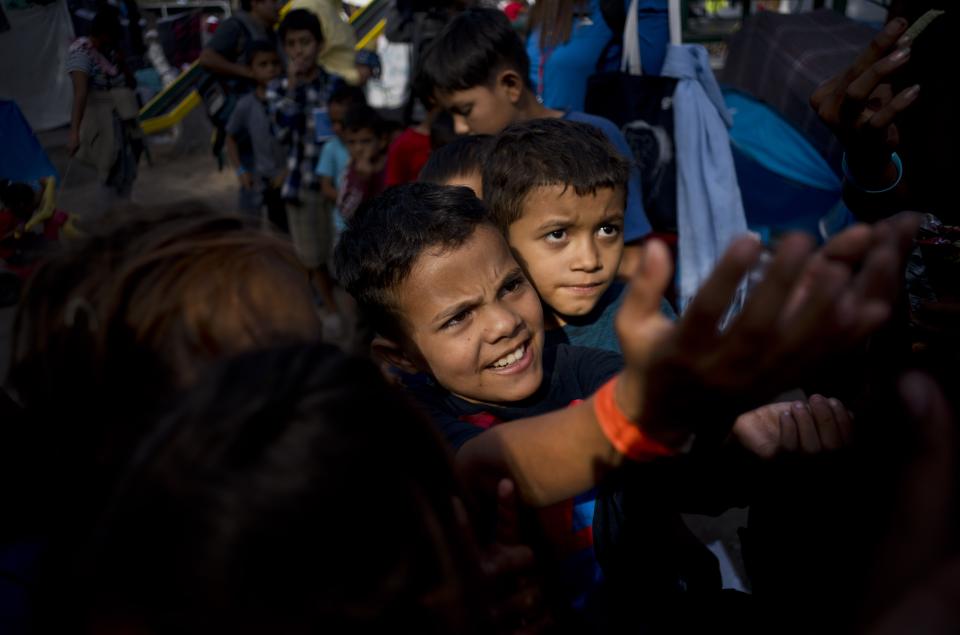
(79, 102)
(216, 63)
(551, 457)
(233, 154)
(327, 188)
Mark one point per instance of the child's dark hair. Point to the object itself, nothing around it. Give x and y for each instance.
(363, 117)
(259, 47)
(461, 157)
(344, 93)
(18, 198)
(301, 20)
(473, 47)
(545, 152)
(106, 24)
(387, 235)
(291, 491)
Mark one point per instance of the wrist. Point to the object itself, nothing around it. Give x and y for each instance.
(873, 177)
(621, 431)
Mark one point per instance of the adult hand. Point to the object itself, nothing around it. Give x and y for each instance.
(810, 427)
(689, 377)
(859, 106)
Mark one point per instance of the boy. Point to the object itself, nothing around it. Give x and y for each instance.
(229, 52)
(334, 157)
(479, 71)
(556, 189)
(366, 138)
(447, 299)
(250, 122)
(298, 103)
(460, 162)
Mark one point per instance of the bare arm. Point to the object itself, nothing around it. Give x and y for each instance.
(553, 457)
(328, 189)
(81, 86)
(216, 63)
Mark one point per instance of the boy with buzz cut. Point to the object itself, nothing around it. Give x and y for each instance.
(446, 298)
(557, 190)
(479, 70)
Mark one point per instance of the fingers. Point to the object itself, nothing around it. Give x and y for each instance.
(826, 422)
(878, 47)
(649, 281)
(699, 324)
(789, 432)
(889, 112)
(860, 89)
(806, 428)
(843, 419)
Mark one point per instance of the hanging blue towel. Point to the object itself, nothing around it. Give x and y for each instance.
(709, 208)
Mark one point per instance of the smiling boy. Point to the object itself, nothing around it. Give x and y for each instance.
(446, 298)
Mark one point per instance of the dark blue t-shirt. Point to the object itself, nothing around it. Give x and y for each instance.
(571, 374)
(596, 329)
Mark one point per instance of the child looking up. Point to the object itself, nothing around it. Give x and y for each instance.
(298, 103)
(557, 190)
(479, 71)
(250, 123)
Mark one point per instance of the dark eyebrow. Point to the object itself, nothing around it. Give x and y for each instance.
(616, 216)
(510, 275)
(450, 312)
(553, 224)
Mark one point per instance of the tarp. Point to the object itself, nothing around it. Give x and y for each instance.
(33, 55)
(23, 158)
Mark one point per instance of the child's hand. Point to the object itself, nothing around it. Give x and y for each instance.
(689, 377)
(808, 427)
(859, 106)
(246, 180)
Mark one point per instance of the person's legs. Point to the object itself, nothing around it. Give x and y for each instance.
(309, 241)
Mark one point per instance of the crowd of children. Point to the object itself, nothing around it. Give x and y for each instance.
(513, 447)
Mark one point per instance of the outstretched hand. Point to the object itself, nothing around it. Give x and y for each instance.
(807, 427)
(689, 377)
(860, 108)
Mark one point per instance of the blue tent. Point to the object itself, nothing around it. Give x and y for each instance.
(22, 158)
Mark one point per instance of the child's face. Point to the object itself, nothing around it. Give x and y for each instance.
(363, 143)
(301, 48)
(473, 321)
(479, 110)
(337, 111)
(570, 246)
(266, 67)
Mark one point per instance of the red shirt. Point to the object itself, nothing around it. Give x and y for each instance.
(406, 157)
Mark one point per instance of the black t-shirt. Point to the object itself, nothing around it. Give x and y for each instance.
(570, 373)
(639, 541)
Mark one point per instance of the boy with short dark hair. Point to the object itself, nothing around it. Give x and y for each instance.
(298, 103)
(447, 298)
(557, 190)
(460, 162)
(479, 71)
(250, 123)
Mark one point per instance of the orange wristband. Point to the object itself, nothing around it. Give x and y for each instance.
(624, 435)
